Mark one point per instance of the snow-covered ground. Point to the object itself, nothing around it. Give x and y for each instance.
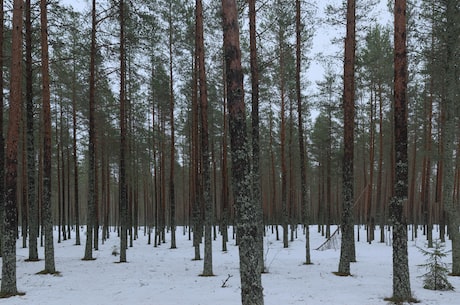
(164, 276)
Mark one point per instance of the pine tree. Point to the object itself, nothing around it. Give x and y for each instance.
(123, 145)
(436, 277)
(347, 245)
(47, 211)
(91, 149)
(247, 225)
(2, 139)
(33, 207)
(10, 225)
(401, 279)
(204, 141)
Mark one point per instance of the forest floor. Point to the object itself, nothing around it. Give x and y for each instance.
(164, 276)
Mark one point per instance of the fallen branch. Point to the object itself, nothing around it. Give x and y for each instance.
(224, 283)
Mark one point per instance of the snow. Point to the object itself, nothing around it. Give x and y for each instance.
(169, 276)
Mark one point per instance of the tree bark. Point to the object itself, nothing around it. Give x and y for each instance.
(247, 228)
(284, 207)
(31, 197)
(347, 227)
(2, 139)
(302, 152)
(47, 155)
(256, 184)
(401, 280)
(196, 166)
(225, 188)
(10, 225)
(206, 179)
(75, 161)
(123, 142)
(172, 199)
(448, 132)
(91, 149)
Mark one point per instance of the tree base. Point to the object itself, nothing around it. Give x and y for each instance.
(341, 273)
(399, 301)
(45, 272)
(32, 260)
(5, 295)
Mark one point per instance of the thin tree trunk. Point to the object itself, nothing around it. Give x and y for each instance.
(347, 227)
(10, 225)
(75, 160)
(426, 175)
(58, 170)
(2, 139)
(63, 169)
(369, 199)
(123, 143)
(172, 199)
(69, 208)
(225, 191)
(256, 183)
(274, 198)
(247, 226)
(379, 201)
(291, 187)
(302, 152)
(47, 215)
(206, 179)
(195, 160)
(96, 189)
(439, 179)
(31, 196)
(91, 148)
(283, 148)
(401, 280)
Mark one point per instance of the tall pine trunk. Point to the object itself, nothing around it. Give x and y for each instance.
(256, 184)
(348, 244)
(302, 153)
(31, 198)
(206, 178)
(91, 149)
(75, 161)
(225, 189)
(195, 166)
(47, 214)
(2, 139)
(172, 198)
(282, 88)
(10, 224)
(401, 280)
(247, 227)
(448, 133)
(123, 143)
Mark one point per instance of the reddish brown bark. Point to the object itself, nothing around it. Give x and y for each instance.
(251, 285)
(8, 286)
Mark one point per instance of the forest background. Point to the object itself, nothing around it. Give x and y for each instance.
(162, 117)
